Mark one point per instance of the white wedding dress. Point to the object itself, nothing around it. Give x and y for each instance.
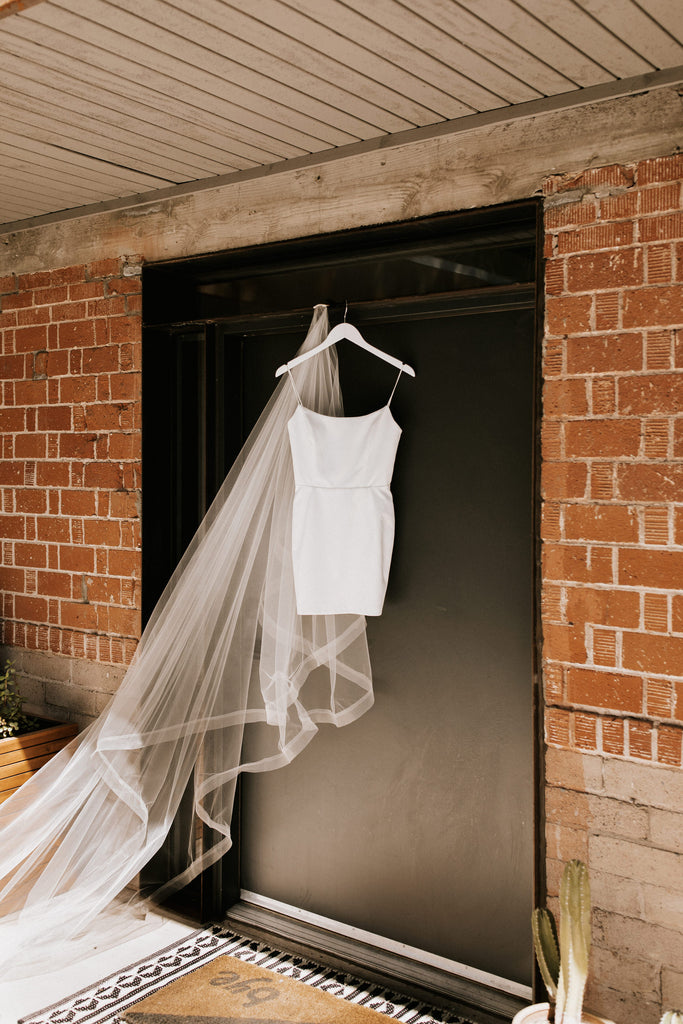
(343, 515)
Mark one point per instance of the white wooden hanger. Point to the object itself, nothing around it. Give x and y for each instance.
(351, 333)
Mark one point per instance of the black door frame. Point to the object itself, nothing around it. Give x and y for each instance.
(187, 310)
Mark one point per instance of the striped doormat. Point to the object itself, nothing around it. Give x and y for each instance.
(109, 1000)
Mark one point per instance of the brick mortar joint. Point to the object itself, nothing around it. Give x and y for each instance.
(71, 661)
(608, 912)
(568, 184)
(577, 195)
(605, 797)
(590, 709)
(86, 658)
(129, 266)
(626, 758)
(600, 830)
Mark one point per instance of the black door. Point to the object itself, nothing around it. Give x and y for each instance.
(414, 825)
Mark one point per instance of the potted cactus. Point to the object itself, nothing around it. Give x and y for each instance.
(564, 964)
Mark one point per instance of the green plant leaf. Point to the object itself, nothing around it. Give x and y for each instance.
(13, 719)
(547, 949)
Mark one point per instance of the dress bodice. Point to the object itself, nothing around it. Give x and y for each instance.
(343, 513)
(343, 451)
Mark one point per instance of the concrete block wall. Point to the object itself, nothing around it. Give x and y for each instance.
(61, 688)
(625, 819)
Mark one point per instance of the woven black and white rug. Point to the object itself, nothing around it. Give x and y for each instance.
(106, 1000)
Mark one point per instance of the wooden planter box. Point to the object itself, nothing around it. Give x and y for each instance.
(22, 756)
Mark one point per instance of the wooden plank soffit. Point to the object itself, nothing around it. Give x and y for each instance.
(423, 173)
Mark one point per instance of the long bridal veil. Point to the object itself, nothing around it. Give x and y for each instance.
(227, 678)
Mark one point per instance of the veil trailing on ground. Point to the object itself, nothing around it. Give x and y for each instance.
(227, 678)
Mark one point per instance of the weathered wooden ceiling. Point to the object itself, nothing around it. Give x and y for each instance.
(108, 99)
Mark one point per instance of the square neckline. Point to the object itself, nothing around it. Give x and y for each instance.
(363, 416)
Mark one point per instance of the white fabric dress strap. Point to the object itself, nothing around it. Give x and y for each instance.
(298, 396)
(395, 384)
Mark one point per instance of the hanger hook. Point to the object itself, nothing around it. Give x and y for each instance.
(346, 308)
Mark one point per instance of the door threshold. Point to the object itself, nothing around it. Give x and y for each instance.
(355, 952)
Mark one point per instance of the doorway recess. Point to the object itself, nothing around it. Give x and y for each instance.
(403, 845)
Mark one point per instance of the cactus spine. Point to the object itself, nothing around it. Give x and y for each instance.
(672, 1017)
(565, 970)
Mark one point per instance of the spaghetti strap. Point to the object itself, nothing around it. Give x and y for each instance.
(395, 386)
(298, 396)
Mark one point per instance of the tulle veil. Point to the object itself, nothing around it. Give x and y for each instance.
(227, 678)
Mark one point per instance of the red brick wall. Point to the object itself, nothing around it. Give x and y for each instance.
(70, 475)
(612, 475)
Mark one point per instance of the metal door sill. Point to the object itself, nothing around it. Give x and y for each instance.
(481, 1003)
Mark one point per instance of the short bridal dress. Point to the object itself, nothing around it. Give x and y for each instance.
(343, 512)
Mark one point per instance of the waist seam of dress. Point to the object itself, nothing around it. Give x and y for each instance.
(349, 487)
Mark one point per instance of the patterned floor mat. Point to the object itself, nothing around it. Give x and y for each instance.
(109, 998)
